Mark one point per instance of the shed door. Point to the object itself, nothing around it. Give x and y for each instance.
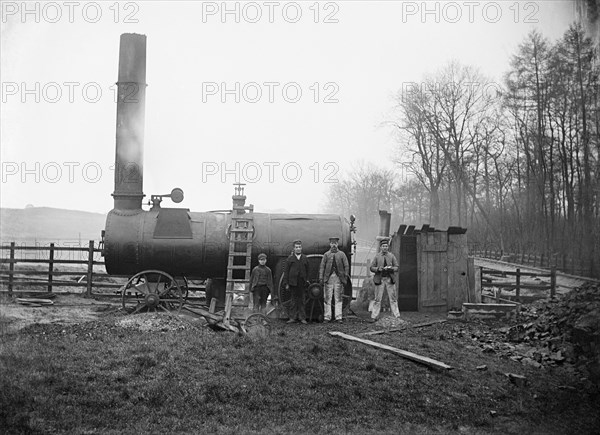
(408, 289)
(433, 271)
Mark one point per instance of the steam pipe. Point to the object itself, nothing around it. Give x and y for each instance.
(384, 224)
(131, 104)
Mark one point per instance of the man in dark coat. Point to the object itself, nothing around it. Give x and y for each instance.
(295, 278)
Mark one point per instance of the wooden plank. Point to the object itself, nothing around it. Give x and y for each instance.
(11, 268)
(50, 267)
(513, 285)
(90, 271)
(47, 248)
(458, 284)
(403, 353)
(490, 311)
(477, 285)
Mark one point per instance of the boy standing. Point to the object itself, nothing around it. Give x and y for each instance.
(261, 284)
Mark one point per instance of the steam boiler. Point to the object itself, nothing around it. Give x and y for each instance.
(166, 244)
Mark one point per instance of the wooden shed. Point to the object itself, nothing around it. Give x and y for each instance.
(435, 271)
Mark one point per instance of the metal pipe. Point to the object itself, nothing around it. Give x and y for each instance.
(131, 103)
(384, 223)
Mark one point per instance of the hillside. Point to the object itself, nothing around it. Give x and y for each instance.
(49, 225)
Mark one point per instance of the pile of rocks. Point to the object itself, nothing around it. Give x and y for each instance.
(564, 330)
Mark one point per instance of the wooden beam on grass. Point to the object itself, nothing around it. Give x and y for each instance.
(403, 353)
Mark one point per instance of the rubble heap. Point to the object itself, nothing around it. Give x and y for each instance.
(563, 331)
(568, 327)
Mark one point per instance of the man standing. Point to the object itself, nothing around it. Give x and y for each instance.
(295, 278)
(333, 274)
(385, 266)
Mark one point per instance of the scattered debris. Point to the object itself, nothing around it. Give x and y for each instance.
(482, 367)
(518, 380)
(403, 353)
(455, 315)
(406, 325)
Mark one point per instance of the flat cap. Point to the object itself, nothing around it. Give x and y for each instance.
(334, 239)
(262, 255)
(297, 242)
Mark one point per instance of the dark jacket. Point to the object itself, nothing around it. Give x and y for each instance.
(327, 265)
(295, 271)
(379, 261)
(254, 278)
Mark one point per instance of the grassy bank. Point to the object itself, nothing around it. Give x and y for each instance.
(99, 377)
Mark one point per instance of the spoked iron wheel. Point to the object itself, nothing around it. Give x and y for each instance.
(257, 325)
(151, 291)
(184, 286)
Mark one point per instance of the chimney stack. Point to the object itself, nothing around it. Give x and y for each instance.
(131, 104)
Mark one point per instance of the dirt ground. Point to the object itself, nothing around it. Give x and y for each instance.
(66, 309)
(77, 308)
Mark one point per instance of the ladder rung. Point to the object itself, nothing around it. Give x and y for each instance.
(243, 217)
(239, 254)
(243, 207)
(241, 241)
(242, 230)
(238, 267)
(238, 280)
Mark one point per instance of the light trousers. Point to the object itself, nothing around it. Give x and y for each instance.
(386, 283)
(333, 287)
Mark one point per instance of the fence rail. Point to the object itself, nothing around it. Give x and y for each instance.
(489, 279)
(88, 277)
(14, 277)
(562, 262)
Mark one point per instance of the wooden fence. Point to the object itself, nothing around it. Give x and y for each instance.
(44, 260)
(563, 263)
(88, 270)
(489, 278)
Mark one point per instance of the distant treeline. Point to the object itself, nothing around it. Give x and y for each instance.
(516, 162)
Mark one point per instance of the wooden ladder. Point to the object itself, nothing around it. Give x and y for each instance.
(240, 251)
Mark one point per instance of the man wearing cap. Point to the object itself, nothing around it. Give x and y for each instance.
(295, 278)
(333, 275)
(261, 284)
(385, 266)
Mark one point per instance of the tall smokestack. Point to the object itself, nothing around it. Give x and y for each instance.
(131, 104)
(384, 224)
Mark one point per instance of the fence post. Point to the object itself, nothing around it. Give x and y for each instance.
(50, 267)
(522, 257)
(552, 282)
(11, 268)
(518, 285)
(90, 270)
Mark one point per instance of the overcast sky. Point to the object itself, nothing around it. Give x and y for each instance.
(315, 84)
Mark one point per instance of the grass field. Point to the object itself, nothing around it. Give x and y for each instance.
(103, 377)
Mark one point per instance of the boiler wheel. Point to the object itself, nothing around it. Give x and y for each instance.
(256, 325)
(151, 291)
